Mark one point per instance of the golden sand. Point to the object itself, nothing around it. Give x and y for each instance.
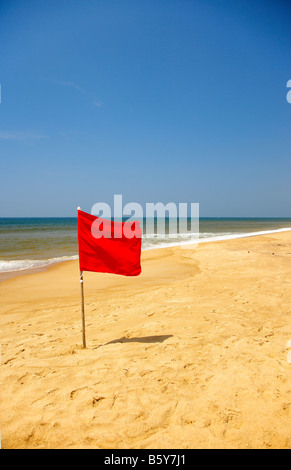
(191, 354)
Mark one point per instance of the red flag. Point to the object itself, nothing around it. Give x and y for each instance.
(109, 247)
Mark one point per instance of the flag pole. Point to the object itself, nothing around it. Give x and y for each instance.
(82, 305)
(83, 310)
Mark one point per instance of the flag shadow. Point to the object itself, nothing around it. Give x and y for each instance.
(140, 339)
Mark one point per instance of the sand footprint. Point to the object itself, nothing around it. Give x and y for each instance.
(288, 346)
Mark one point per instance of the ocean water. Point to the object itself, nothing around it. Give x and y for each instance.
(27, 243)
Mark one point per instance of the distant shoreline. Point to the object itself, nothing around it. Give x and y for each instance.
(4, 275)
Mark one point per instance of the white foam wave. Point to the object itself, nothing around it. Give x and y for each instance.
(23, 264)
(213, 237)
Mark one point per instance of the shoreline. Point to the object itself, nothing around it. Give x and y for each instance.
(4, 275)
(190, 354)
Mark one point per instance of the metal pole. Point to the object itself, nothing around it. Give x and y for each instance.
(83, 310)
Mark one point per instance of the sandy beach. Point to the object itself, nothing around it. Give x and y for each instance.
(191, 354)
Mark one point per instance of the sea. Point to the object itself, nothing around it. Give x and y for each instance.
(33, 243)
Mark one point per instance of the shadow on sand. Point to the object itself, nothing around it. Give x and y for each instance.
(141, 339)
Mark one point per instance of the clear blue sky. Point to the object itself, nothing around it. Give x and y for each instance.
(157, 100)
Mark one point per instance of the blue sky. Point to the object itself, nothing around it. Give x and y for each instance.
(160, 101)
